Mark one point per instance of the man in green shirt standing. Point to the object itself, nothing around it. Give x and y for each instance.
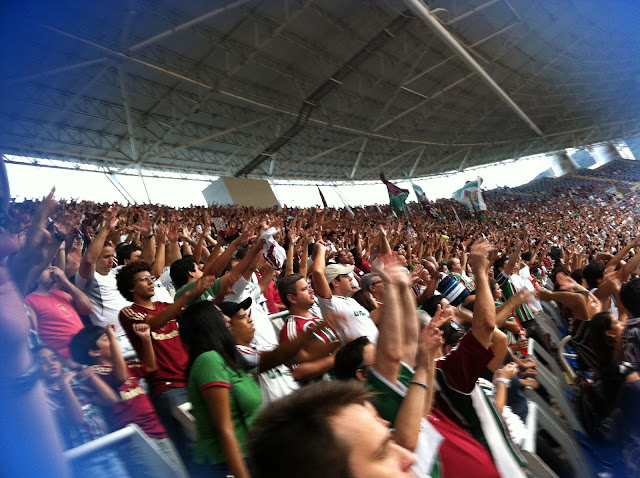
(185, 272)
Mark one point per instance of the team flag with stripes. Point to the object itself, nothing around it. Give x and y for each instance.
(397, 196)
(471, 195)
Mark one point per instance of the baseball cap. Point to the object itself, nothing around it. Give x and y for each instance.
(334, 270)
(231, 308)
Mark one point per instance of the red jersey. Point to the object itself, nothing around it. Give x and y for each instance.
(58, 320)
(171, 358)
(134, 405)
(296, 325)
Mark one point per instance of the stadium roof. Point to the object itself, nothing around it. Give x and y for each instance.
(315, 89)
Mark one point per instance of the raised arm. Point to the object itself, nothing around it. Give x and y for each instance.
(389, 351)
(320, 284)
(241, 267)
(419, 398)
(174, 247)
(148, 355)
(513, 259)
(216, 265)
(304, 258)
(484, 310)
(119, 372)
(171, 311)
(80, 300)
(88, 263)
(158, 263)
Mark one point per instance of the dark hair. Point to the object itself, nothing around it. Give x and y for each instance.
(180, 270)
(38, 348)
(301, 421)
(526, 256)
(124, 252)
(430, 306)
(630, 296)
(83, 342)
(593, 271)
(554, 274)
(492, 285)
(498, 264)
(577, 275)
(286, 286)
(450, 335)
(349, 358)
(202, 329)
(364, 298)
(601, 344)
(125, 277)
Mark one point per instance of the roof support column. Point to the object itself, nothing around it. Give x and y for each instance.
(605, 153)
(423, 12)
(562, 163)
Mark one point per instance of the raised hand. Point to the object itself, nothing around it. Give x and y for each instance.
(393, 272)
(173, 233)
(202, 284)
(144, 226)
(161, 234)
(143, 331)
(58, 275)
(478, 255)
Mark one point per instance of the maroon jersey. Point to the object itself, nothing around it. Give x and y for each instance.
(134, 405)
(171, 358)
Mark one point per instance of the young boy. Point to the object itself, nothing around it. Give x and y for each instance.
(98, 346)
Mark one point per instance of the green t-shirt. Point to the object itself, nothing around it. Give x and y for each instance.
(208, 294)
(210, 370)
(389, 396)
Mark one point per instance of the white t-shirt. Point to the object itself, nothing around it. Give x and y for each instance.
(274, 383)
(358, 322)
(265, 335)
(107, 300)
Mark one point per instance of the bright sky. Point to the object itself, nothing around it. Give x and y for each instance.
(29, 182)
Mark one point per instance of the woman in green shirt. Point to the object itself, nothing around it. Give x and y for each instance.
(225, 398)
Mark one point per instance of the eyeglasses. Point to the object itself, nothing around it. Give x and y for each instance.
(376, 282)
(145, 279)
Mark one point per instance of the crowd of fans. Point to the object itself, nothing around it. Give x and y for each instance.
(401, 351)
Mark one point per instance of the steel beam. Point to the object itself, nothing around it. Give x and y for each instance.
(358, 158)
(415, 165)
(423, 12)
(395, 158)
(327, 87)
(316, 156)
(125, 103)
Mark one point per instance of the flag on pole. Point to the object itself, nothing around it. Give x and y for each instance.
(397, 196)
(471, 195)
(344, 201)
(324, 201)
(457, 217)
(423, 202)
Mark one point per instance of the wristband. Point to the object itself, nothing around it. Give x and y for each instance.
(149, 236)
(506, 381)
(419, 384)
